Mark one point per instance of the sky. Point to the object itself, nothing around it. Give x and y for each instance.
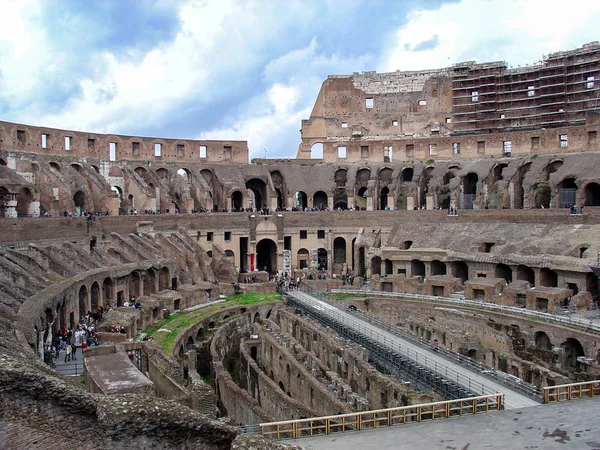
(246, 69)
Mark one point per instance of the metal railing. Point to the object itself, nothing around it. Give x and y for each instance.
(503, 378)
(568, 321)
(419, 364)
(566, 392)
(293, 429)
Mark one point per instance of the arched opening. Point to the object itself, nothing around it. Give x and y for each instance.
(256, 318)
(280, 199)
(460, 270)
(162, 173)
(189, 345)
(259, 188)
(383, 198)
(55, 166)
(149, 282)
(185, 174)
(526, 274)
(95, 296)
(548, 277)
(541, 195)
(77, 167)
(592, 194)
(83, 304)
(237, 201)
(266, 256)
(417, 268)
(340, 177)
(24, 200)
(230, 256)
(424, 185)
(572, 350)
(200, 334)
(518, 185)
(469, 190)
(164, 279)
(320, 200)
(504, 271)
(407, 174)
(542, 341)
(302, 259)
(322, 259)
(550, 169)
(438, 267)
(119, 192)
(79, 201)
(362, 180)
(497, 172)
(339, 250)
(376, 265)
(134, 284)
(316, 151)
(361, 199)
(2, 162)
(107, 291)
(300, 200)
(567, 192)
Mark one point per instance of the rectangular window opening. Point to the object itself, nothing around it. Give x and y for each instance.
(344, 124)
(394, 123)
(135, 148)
(68, 142)
(432, 149)
(456, 148)
(369, 103)
(44, 141)
(410, 149)
(590, 82)
(364, 151)
(320, 234)
(180, 150)
(341, 152)
(287, 243)
(387, 154)
(157, 149)
(535, 143)
(91, 145)
(592, 136)
(228, 235)
(112, 151)
(203, 151)
(530, 91)
(227, 151)
(475, 96)
(564, 140)
(507, 147)
(448, 120)
(303, 234)
(209, 235)
(21, 136)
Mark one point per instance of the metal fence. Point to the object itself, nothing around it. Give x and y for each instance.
(501, 377)
(568, 321)
(404, 359)
(293, 429)
(566, 392)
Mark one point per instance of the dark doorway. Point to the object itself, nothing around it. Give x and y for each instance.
(266, 258)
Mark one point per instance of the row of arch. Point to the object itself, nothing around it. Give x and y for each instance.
(108, 292)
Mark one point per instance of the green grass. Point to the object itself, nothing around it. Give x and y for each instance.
(178, 323)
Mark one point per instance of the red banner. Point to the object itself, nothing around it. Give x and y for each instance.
(251, 262)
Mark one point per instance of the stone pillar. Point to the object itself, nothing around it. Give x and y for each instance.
(410, 203)
(314, 259)
(391, 202)
(10, 211)
(511, 195)
(370, 203)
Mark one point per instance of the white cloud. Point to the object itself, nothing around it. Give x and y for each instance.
(516, 31)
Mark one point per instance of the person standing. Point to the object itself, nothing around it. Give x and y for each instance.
(73, 352)
(68, 352)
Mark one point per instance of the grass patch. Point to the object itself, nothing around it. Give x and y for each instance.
(178, 323)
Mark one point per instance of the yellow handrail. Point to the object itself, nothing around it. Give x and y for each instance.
(570, 391)
(293, 429)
